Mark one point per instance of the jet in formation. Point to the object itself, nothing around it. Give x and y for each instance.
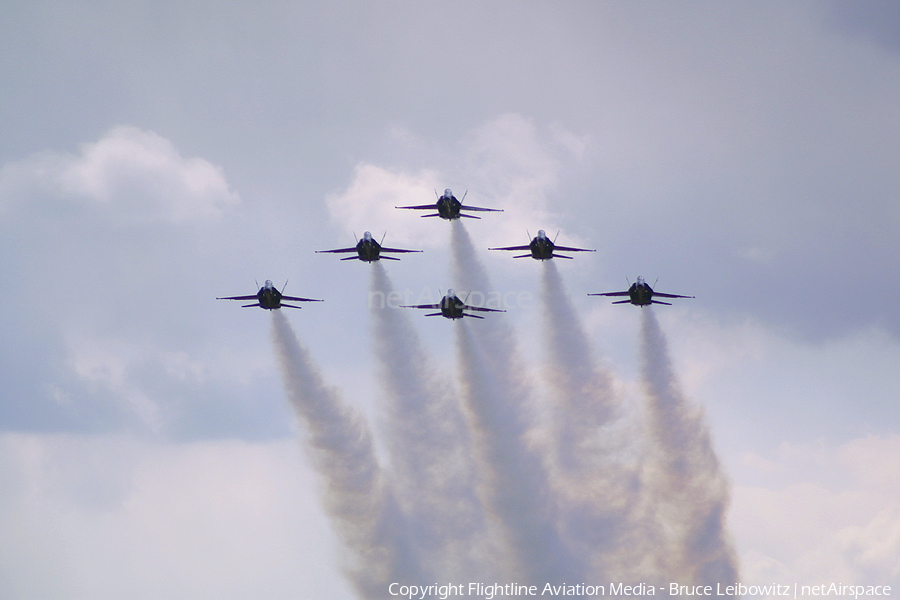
(269, 298)
(448, 207)
(368, 250)
(451, 307)
(542, 248)
(640, 294)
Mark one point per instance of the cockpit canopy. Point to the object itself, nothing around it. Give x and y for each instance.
(448, 193)
(268, 284)
(367, 235)
(640, 280)
(542, 234)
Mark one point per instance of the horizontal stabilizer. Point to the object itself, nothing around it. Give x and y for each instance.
(559, 256)
(249, 305)
(435, 315)
(621, 302)
(469, 216)
(473, 316)
(350, 258)
(390, 258)
(523, 256)
(289, 306)
(660, 302)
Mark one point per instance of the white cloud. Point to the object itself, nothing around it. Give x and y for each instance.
(838, 520)
(130, 174)
(507, 162)
(116, 516)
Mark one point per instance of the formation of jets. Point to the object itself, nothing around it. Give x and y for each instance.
(270, 298)
(451, 307)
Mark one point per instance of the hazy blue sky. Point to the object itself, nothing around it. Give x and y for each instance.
(157, 155)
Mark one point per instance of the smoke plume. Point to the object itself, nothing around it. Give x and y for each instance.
(595, 470)
(357, 496)
(429, 445)
(684, 482)
(484, 483)
(496, 394)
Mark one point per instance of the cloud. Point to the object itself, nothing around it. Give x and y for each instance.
(118, 516)
(128, 175)
(838, 518)
(507, 162)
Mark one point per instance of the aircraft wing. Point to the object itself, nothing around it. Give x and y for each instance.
(398, 250)
(353, 249)
(528, 247)
(611, 294)
(464, 207)
(431, 206)
(565, 249)
(296, 299)
(253, 297)
(467, 307)
(670, 295)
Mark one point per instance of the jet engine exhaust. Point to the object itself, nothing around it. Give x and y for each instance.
(356, 494)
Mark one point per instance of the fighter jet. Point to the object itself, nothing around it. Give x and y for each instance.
(452, 307)
(640, 294)
(542, 248)
(368, 250)
(269, 298)
(448, 207)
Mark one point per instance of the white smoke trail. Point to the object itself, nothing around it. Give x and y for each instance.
(514, 482)
(591, 443)
(357, 497)
(685, 484)
(429, 446)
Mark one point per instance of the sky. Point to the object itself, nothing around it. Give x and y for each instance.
(156, 156)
